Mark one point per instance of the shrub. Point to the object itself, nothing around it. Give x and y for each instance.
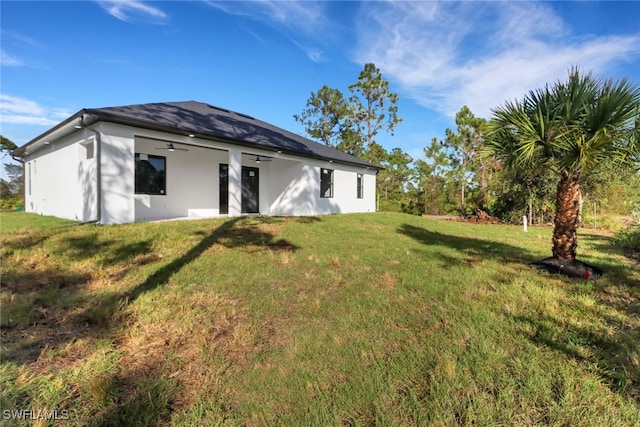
(629, 238)
(11, 202)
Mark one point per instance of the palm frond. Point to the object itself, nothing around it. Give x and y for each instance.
(574, 125)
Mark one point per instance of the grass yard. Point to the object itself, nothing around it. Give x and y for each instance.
(382, 319)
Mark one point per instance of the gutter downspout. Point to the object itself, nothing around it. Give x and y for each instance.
(98, 152)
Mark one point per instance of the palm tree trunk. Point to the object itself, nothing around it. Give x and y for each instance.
(565, 238)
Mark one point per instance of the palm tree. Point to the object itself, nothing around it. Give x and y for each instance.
(570, 128)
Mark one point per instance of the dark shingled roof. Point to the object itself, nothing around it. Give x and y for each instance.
(208, 121)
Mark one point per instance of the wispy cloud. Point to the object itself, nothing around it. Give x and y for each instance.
(313, 53)
(20, 38)
(445, 54)
(15, 41)
(7, 60)
(17, 110)
(133, 11)
(300, 20)
(304, 16)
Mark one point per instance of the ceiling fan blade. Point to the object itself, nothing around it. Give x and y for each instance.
(171, 147)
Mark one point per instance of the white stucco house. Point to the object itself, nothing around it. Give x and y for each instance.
(186, 159)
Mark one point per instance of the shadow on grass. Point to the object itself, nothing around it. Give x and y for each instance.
(612, 355)
(25, 239)
(109, 252)
(52, 322)
(598, 242)
(37, 285)
(228, 235)
(147, 402)
(624, 273)
(472, 248)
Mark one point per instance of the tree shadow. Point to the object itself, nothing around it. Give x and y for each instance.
(611, 355)
(617, 272)
(471, 247)
(479, 248)
(598, 242)
(110, 252)
(301, 219)
(34, 284)
(23, 239)
(228, 235)
(56, 311)
(27, 325)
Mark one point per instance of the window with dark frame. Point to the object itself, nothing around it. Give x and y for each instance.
(150, 174)
(326, 183)
(224, 188)
(359, 186)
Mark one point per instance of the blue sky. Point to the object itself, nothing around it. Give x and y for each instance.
(265, 58)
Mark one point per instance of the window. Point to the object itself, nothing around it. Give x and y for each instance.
(359, 186)
(29, 177)
(326, 183)
(224, 188)
(151, 174)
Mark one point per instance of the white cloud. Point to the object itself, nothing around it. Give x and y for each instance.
(17, 119)
(302, 20)
(8, 60)
(17, 110)
(445, 55)
(313, 53)
(20, 38)
(132, 10)
(305, 16)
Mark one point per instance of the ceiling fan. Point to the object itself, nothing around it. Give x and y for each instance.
(170, 147)
(263, 159)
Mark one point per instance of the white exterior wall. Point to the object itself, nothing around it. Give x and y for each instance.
(118, 172)
(295, 188)
(61, 181)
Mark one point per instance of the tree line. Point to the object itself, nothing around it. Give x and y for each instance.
(12, 188)
(465, 174)
(543, 155)
(458, 174)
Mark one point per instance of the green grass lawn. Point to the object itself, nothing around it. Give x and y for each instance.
(340, 320)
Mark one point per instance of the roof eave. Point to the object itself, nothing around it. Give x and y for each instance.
(66, 127)
(128, 121)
